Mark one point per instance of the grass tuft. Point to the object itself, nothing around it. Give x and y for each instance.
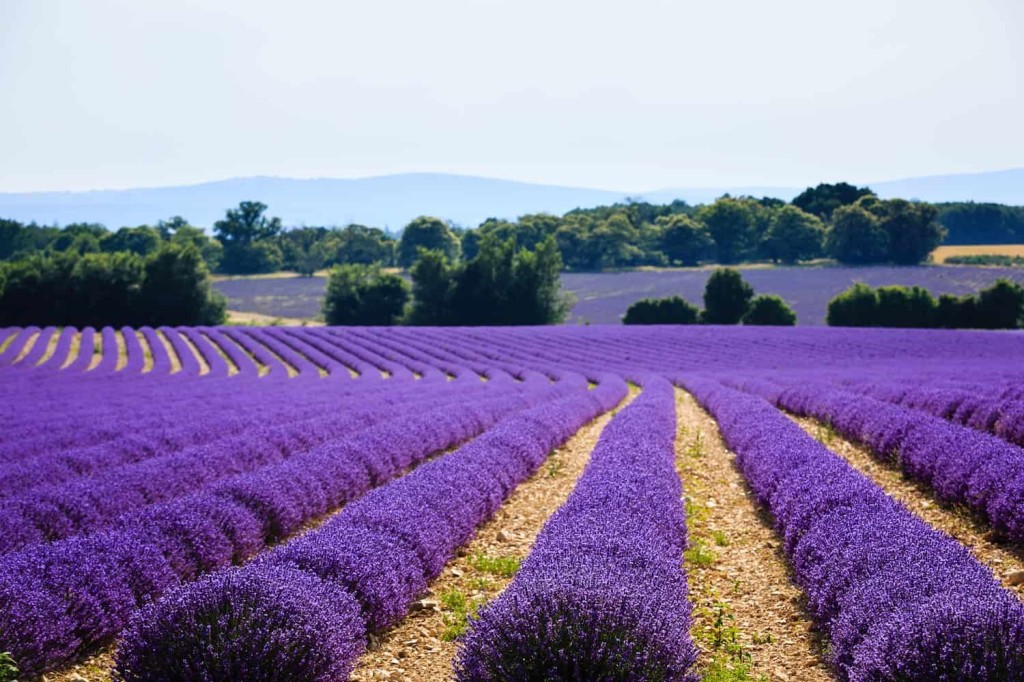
(699, 554)
(505, 567)
(8, 669)
(459, 611)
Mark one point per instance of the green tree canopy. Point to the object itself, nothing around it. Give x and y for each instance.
(825, 198)
(855, 307)
(502, 285)
(430, 234)
(304, 249)
(176, 289)
(247, 223)
(856, 237)
(793, 235)
(912, 229)
(726, 297)
(732, 225)
(671, 310)
(364, 295)
(248, 239)
(365, 245)
(142, 240)
(769, 310)
(684, 240)
(170, 286)
(1001, 306)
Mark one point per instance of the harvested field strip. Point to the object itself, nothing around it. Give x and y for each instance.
(1005, 560)
(749, 618)
(422, 646)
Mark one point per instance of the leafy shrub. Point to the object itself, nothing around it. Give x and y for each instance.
(671, 310)
(726, 297)
(769, 310)
(364, 295)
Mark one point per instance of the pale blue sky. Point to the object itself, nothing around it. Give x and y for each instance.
(619, 95)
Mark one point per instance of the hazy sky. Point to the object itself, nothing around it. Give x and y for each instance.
(619, 95)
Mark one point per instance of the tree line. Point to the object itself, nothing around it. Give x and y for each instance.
(728, 299)
(168, 286)
(840, 221)
(502, 284)
(1000, 306)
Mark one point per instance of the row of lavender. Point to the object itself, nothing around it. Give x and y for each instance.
(601, 596)
(93, 531)
(450, 365)
(962, 465)
(360, 572)
(896, 599)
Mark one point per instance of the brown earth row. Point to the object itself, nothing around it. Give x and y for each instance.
(1005, 560)
(422, 647)
(749, 617)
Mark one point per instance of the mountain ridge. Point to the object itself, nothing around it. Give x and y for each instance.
(394, 199)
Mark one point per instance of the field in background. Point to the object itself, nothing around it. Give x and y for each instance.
(940, 254)
(602, 297)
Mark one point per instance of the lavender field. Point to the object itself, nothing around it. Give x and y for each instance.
(492, 504)
(602, 297)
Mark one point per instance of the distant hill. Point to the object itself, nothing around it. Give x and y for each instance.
(393, 200)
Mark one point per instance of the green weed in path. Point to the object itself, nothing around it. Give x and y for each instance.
(505, 567)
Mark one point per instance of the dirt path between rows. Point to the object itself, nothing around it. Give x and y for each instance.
(964, 526)
(421, 648)
(749, 617)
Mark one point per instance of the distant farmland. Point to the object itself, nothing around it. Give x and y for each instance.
(602, 297)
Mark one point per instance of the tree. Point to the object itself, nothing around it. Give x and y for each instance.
(825, 198)
(912, 230)
(364, 295)
(900, 306)
(957, 312)
(671, 310)
(793, 235)
(856, 236)
(431, 289)
(176, 289)
(169, 287)
(167, 228)
(361, 244)
(211, 249)
(769, 310)
(726, 297)
(1001, 306)
(106, 287)
(535, 293)
(427, 233)
(855, 307)
(246, 224)
(304, 249)
(731, 224)
(247, 234)
(141, 241)
(13, 238)
(684, 240)
(502, 285)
